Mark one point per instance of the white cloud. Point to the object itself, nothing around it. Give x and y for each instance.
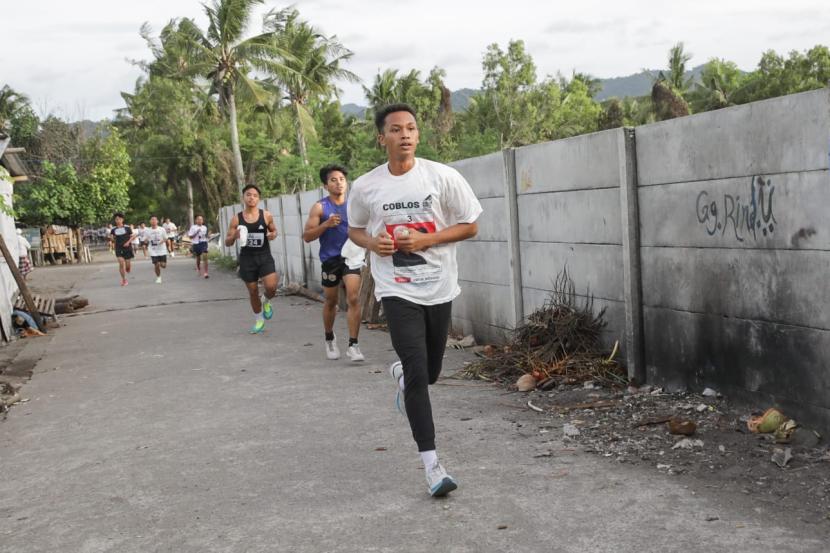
(71, 54)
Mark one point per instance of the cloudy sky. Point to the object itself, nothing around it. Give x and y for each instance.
(71, 58)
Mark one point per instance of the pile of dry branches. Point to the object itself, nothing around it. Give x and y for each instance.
(559, 343)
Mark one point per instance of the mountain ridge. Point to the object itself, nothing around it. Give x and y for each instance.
(636, 84)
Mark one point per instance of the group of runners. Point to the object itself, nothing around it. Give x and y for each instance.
(158, 240)
(408, 214)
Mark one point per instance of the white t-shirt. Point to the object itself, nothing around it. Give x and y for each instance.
(156, 241)
(428, 198)
(198, 233)
(23, 246)
(170, 228)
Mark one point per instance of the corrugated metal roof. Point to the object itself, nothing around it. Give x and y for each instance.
(11, 159)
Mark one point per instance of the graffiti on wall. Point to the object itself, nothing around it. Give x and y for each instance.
(743, 217)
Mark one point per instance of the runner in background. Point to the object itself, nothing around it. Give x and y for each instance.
(156, 238)
(121, 237)
(198, 234)
(254, 228)
(171, 230)
(328, 223)
(142, 238)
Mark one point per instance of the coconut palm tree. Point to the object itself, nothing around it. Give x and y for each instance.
(224, 57)
(11, 102)
(311, 70)
(384, 90)
(676, 76)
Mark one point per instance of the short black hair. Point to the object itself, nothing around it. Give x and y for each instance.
(381, 113)
(249, 186)
(326, 169)
(117, 214)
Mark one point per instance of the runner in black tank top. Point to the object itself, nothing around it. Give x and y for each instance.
(256, 243)
(255, 260)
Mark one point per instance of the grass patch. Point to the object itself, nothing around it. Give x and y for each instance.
(226, 262)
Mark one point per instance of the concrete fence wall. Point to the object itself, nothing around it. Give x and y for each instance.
(706, 240)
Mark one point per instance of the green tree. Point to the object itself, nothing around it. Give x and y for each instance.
(225, 58)
(105, 186)
(676, 75)
(777, 76)
(310, 71)
(11, 102)
(509, 77)
(63, 194)
(720, 81)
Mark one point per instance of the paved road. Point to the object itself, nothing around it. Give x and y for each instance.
(157, 424)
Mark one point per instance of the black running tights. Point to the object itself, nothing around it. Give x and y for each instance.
(419, 336)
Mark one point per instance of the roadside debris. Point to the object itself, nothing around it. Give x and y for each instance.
(526, 383)
(558, 344)
(768, 422)
(680, 426)
(782, 456)
(461, 343)
(686, 443)
(631, 425)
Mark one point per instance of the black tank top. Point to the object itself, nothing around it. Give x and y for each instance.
(257, 235)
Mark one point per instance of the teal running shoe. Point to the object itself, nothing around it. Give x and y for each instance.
(258, 327)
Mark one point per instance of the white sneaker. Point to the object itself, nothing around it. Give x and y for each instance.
(355, 354)
(158, 280)
(440, 483)
(332, 351)
(396, 370)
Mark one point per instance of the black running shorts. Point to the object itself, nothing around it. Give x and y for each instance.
(334, 269)
(254, 267)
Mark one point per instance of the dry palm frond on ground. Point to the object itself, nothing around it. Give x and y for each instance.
(559, 342)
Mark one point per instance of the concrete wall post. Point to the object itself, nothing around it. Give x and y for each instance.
(632, 277)
(513, 246)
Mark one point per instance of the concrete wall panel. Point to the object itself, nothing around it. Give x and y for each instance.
(493, 223)
(771, 285)
(585, 216)
(483, 304)
(781, 135)
(485, 174)
(767, 363)
(485, 262)
(789, 212)
(596, 269)
(578, 163)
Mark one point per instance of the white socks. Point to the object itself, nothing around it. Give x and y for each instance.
(429, 458)
(400, 382)
(260, 317)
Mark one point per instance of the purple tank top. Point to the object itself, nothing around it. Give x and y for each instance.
(331, 241)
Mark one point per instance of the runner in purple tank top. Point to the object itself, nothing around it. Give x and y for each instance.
(329, 223)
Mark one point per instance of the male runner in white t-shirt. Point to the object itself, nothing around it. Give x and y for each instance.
(409, 213)
(170, 227)
(142, 238)
(156, 238)
(198, 234)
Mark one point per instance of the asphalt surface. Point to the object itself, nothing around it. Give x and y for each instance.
(157, 423)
